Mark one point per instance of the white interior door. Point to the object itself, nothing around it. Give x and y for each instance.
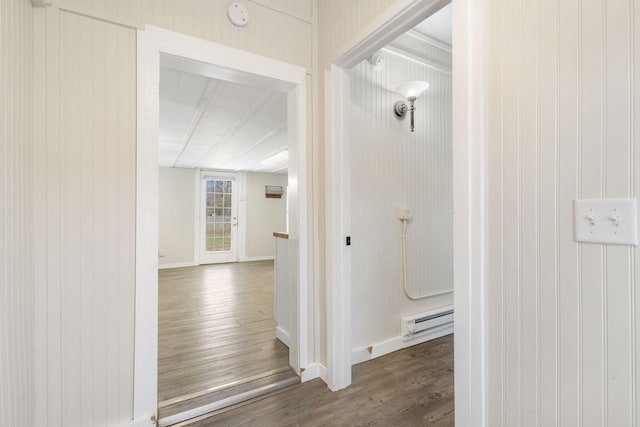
(218, 218)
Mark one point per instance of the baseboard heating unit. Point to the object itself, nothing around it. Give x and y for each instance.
(422, 324)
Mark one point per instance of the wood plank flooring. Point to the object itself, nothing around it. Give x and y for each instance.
(411, 387)
(215, 327)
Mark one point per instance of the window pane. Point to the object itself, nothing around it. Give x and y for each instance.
(218, 244)
(210, 199)
(219, 230)
(219, 200)
(210, 245)
(227, 214)
(227, 200)
(227, 186)
(218, 186)
(210, 230)
(209, 186)
(227, 243)
(209, 213)
(227, 229)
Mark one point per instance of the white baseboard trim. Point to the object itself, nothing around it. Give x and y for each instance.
(282, 335)
(362, 354)
(256, 258)
(314, 370)
(177, 265)
(140, 422)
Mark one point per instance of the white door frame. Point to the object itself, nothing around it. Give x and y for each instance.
(236, 65)
(469, 172)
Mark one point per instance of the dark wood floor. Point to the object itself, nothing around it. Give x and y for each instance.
(216, 327)
(411, 387)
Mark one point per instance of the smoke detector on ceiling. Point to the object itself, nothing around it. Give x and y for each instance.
(238, 14)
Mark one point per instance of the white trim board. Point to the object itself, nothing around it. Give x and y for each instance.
(257, 258)
(363, 354)
(469, 185)
(193, 263)
(176, 265)
(218, 61)
(282, 335)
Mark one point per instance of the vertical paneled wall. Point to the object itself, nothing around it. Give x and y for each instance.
(16, 214)
(390, 166)
(564, 103)
(85, 164)
(278, 29)
(87, 177)
(337, 22)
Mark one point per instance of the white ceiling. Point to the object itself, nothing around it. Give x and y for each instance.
(438, 25)
(216, 124)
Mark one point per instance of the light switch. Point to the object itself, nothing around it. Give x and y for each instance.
(612, 221)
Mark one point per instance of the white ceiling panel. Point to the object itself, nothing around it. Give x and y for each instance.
(438, 25)
(211, 123)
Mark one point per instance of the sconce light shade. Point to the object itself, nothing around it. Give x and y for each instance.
(412, 89)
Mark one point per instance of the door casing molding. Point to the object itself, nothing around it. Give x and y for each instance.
(218, 61)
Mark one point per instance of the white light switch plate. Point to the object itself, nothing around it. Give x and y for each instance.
(612, 221)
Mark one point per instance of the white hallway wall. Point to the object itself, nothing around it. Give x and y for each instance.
(16, 214)
(571, 73)
(391, 166)
(177, 215)
(177, 194)
(264, 216)
(563, 120)
(338, 22)
(85, 162)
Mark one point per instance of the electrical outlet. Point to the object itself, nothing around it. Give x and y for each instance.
(404, 212)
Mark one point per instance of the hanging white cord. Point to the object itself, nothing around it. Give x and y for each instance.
(404, 263)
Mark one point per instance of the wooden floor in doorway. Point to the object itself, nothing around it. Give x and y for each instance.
(410, 387)
(216, 327)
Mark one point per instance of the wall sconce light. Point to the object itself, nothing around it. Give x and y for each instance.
(411, 91)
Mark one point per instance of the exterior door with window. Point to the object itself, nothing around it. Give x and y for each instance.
(218, 218)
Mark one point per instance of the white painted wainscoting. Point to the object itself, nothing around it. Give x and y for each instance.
(563, 120)
(17, 214)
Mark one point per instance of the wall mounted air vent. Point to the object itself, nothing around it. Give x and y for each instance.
(273, 191)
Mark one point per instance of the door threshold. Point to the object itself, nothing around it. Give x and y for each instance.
(186, 410)
(190, 396)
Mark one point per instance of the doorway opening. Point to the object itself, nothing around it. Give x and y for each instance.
(469, 148)
(392, 288)
(224, 145)
(212, 171)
